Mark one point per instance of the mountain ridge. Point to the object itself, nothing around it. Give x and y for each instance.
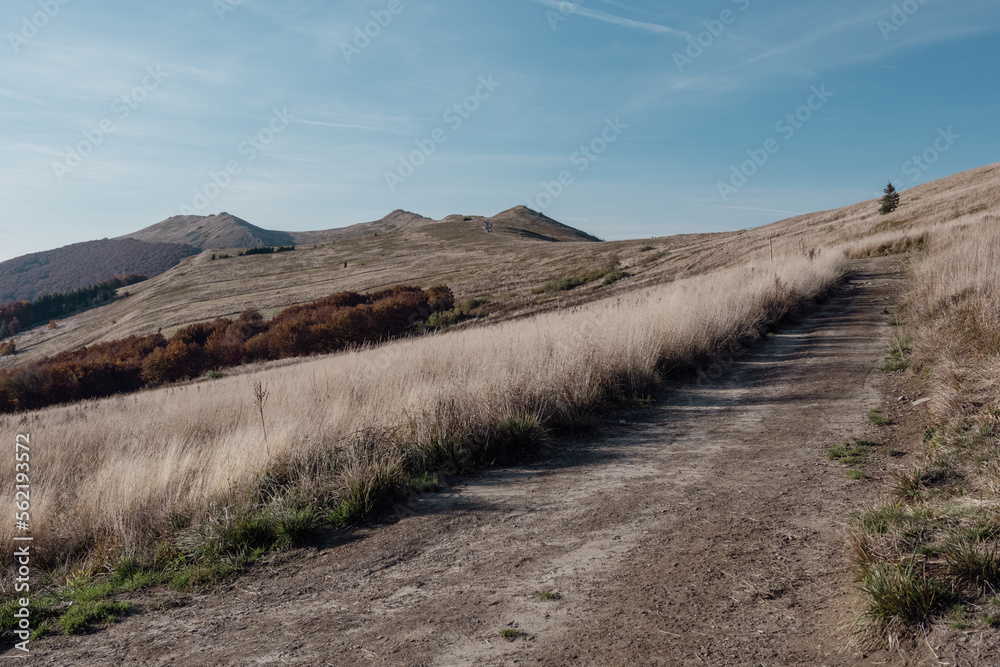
(223, 230)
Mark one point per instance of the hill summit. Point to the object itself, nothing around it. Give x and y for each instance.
(210, 232)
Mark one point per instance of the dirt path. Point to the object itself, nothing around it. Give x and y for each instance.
(706, 530)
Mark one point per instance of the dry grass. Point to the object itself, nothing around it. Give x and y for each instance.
(109, 476)
(942, 532)
(507, 269)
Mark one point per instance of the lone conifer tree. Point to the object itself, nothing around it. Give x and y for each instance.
(890, 200)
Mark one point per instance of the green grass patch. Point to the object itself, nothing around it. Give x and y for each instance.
(877, 418)
(614, 277)
(855, 474)
(469, 309)
(83, 614)
(570, 282)
(609, 273)
(370, 493)
(850, 453)
(510, 634)
(548, 595)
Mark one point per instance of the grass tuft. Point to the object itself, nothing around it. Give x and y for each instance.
(973, 563)
(877, 418)
(850, 453)
(898, 354)
(899, 594)
(518, 438)
(295, 528)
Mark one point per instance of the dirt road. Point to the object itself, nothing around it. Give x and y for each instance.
(706, 530)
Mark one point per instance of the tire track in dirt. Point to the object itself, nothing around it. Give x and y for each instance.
(707, 530)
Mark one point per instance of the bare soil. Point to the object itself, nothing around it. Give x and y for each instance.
(706, 530)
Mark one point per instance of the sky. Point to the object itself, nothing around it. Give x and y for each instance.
(625, 119)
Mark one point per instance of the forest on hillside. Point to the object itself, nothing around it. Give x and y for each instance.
(84, 264)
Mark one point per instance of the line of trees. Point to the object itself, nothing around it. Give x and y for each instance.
(18, 315)
(339, 321)
(266, 250)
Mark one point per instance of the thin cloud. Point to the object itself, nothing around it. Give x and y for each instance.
(23, 97)
(342, 125)
(655, 28)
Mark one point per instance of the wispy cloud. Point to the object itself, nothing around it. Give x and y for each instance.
(343, 125)
(571, 8)
(23, 97)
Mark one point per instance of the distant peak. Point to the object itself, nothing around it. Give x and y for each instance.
(520, 209)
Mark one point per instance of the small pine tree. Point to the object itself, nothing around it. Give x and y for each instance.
(890, 200)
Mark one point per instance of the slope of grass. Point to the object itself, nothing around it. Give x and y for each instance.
(938, 539)
(345, 432)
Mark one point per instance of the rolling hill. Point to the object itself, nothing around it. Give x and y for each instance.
(154, 249)
(211, 232)
(83, 264)
(223, 231)
(507, 267)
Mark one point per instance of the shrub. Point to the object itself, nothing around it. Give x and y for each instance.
(440, 298)
(7, 349)
(326, 325)
(614, 277)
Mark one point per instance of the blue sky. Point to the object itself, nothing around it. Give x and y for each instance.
(309, 114)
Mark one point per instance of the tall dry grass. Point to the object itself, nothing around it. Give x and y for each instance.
(954, 314)
(111, 476)
(937, 541)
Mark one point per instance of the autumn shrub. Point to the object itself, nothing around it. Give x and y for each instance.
(336, 322)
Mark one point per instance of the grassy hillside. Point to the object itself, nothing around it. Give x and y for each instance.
(83, 264)
(211, 472)
(502, 266)
(215, 231)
